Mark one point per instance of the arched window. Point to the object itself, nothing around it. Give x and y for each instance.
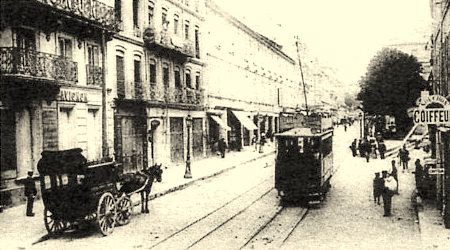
(151, 11)
(176, 19)
(197, 80)
(177, 76)
(188, 78)
(166, 79)
(186, 29)
(152, 67)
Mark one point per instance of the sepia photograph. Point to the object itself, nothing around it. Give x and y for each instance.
(224, 124)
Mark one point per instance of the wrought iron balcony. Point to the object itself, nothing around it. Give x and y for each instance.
(94, 75)
(92, 11)
(168, 44)
(17, 62)
(175, 96)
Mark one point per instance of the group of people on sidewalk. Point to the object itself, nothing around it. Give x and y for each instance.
(368, 148)
(386, 187)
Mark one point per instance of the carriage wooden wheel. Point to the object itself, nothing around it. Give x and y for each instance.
(124, 210)
(106, 213)
(53, 226)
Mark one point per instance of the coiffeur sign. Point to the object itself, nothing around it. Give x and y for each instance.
(435, 115)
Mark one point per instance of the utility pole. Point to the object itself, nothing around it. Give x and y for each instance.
(301, 73)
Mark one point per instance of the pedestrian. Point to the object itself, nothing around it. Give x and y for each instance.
(360, 148)
(255, 142)
(262, 141)
(353, 148)
(30, 192)
(418, 175)
(403, 154)
(366, 149)
(382, 149)
(345, 126)
(394, 174)
(377, 188)
(388, 191)
(222, 147)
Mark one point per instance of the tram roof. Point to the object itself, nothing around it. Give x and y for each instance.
(302, 132)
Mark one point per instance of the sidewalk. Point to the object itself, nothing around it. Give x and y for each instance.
(433, 232)
(17, 230)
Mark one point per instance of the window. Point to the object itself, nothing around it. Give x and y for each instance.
(166, 75)
(136, 13)
(197, 43)
(120, 76)
(188, 78)
(137, 70)
(197, 80)
(66, 125)
(65, 47)
(152, 64)
(93, 54)
(151, 10)
(164, 18)
(175, 24)
(177, 77)
(118, 9)
(186, 29)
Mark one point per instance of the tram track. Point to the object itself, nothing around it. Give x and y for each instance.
(224, 206)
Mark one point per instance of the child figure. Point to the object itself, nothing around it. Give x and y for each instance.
(377, 188)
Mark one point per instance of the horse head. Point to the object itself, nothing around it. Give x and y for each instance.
(155, 171)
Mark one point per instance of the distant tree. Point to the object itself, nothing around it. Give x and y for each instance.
(350, 101)
(391, 85)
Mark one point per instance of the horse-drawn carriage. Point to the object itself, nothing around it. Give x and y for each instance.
(74, 191)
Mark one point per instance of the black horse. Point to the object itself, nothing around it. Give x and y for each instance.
(141, 182)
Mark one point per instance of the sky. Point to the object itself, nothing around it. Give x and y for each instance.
(343, 34)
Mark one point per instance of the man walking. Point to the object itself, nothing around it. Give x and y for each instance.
(353, 148)
(382, 149)
(394, 174)
(377, 188)
(30, 192)
(222, 147)
(403, 154)
(388, 191)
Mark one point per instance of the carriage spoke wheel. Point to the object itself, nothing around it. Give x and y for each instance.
(54, 226)
(106, 213)
(124, 210)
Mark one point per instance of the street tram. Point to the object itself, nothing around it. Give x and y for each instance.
(304, 164)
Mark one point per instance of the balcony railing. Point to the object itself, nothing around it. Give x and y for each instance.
(138, 91)
(31, 63)
(164, 40)
(92, 10)
(94, 75)
(173, 95)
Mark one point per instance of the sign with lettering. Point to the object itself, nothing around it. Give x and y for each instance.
(72, 96)
(437, 114)
(436, 171)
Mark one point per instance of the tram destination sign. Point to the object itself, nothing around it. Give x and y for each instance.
(431, 116)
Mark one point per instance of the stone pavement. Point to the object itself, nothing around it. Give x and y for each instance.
(19, 230)
(433, 232)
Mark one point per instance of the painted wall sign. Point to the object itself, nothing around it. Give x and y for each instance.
(72, 96)
(425, 100)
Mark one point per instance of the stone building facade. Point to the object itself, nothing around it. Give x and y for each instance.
(52, 91)
(250, 81)
(156, 69)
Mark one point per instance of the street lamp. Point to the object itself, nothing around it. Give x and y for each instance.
(187, 172)
(360, 125)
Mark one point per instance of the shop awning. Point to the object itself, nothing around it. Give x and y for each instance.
(220, 122)
(244, 120)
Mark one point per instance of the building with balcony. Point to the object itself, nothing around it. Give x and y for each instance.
(250, 80)
(157, 72)
(439, 81)
(52, 89)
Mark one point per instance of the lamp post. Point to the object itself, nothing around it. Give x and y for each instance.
(360, 125)
(187, 172)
